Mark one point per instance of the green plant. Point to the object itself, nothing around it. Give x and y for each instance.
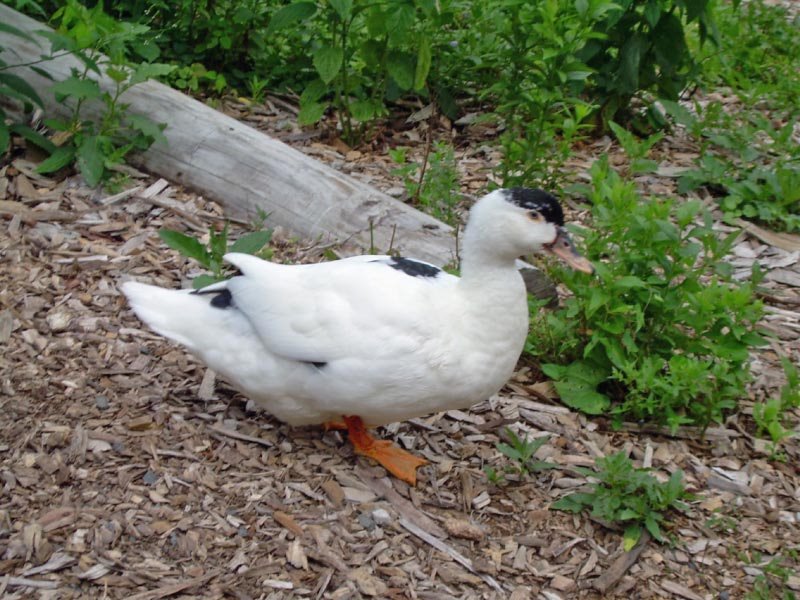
(637, 149)
(433, 183)
(762, 71)
(226, 36)
(521, 451)
(627, 496)
(105, 47)
(749, 163)
(660, 332)
(494, 476)
(14, 87)
(771, 583)
(525, 54)
(196, 78)
(770, 414)
(643, 48)
(363, 53)
(210, 254)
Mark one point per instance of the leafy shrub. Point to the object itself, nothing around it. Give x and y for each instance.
(525, 64)
(363, 53)
(660, 332)
(643, 48)
(627, 496)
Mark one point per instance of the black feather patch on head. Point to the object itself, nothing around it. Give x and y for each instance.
(412, 267)
(538, 200)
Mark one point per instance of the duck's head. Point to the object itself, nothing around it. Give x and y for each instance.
(519, 221)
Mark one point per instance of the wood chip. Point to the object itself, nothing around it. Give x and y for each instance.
(673, 587)
(451, 552)
(288, 522)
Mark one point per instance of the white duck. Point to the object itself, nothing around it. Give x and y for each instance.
(371, 339)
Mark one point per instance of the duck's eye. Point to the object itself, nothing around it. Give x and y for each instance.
(535, 215)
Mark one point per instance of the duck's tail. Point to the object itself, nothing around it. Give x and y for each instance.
(183, 316)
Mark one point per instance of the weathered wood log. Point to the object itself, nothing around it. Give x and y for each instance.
(246, 170)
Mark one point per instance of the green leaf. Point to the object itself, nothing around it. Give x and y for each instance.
(343, 8)
(631, 536)
(365, 110)
(148, 128)
(57, 160)
(188, 246)
(91, 161)
(652, 526)
(629, 281)
(401, 67)
(252, 242)
(34, 137)
(75, 87)
(423, 64)
(18, 84)
(581, 397)
(311, 112)
(5, 137)
(145, 71)
(202, 281)
(328, 62)
(218, 245)
(291, 14)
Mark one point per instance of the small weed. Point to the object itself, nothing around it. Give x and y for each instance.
(771, 583)
(627, 496)
(751, 165)
(521, 451)
(196, 78)
(637, 149)
(722, 523)
(433, 183)
(770, 414)
(210, 255)
(494, 476)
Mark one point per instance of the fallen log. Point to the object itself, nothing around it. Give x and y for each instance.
(247, 171)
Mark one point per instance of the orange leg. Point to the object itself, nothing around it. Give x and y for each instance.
(334, 426)
(399, 463)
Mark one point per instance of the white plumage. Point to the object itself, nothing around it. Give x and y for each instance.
(381, 338)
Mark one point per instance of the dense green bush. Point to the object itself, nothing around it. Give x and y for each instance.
(660, 332)
(643, 48)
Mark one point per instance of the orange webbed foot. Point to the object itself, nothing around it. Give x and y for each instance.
(397, 461)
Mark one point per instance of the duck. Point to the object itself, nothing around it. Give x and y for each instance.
(369, 340)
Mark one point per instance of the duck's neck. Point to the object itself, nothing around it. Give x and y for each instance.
(490, 279)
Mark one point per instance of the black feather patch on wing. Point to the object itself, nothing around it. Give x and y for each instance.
(221, 299)
(318, 365)
(538, 200)
(412, 267)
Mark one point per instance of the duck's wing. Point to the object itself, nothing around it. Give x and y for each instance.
(366, 306)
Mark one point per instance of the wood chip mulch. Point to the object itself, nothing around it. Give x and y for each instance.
(127, 471)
